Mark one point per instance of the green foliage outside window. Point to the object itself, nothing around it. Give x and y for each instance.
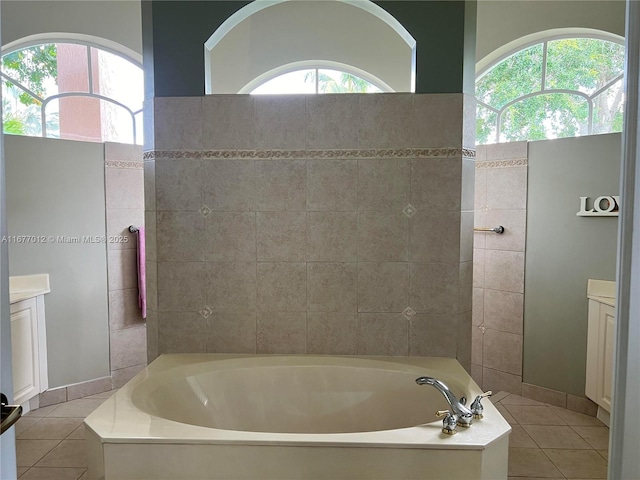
(529, 92)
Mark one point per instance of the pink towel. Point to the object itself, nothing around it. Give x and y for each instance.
(142, 274)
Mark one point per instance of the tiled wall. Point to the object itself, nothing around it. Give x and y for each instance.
(331, 224)
(124, 186)
(498, 268)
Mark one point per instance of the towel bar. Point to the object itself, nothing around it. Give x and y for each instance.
(133, 229)
(498, 229)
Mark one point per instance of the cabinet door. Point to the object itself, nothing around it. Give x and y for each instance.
(607, 332)
(24, 350)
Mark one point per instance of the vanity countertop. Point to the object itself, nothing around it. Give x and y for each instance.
(28, 286)
(602, 291)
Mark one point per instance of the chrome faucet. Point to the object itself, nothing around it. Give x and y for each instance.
(463, 415)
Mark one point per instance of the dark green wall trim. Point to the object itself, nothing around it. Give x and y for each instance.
(442, 30)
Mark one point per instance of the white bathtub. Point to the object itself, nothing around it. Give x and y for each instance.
(292, 417)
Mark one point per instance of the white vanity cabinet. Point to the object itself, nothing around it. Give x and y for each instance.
(600, 341)
(28, 337)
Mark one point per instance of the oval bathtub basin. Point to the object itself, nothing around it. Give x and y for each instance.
(293, 399)
(297, 417)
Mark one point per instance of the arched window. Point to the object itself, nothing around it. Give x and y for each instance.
(72, 91)
(561, 87)
(317, 80)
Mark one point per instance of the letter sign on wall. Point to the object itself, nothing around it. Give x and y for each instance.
(604, 206)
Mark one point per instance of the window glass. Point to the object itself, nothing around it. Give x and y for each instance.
(20, 111)
(314, 80)
(608, 109)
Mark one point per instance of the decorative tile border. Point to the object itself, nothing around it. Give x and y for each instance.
(314, 154)
(522, 162)
(126, 165)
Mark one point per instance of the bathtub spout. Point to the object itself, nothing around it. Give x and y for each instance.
(465, 416)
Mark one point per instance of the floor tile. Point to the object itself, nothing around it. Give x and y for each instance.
(518, 400)
(51, 429)
(28, 452)
(534, 415)
(21, 470)
(40, 473)
(578, 463)
(77, 434)
(597, 437)
(77, 408)
(575, 418)
(534, 478)
(25, 422)
(531, 462)
(104, 395)
(507, 416)
(497, 397)
(520, 439)
(42, 412)
(84, 476)
(604, 454)
(554, 436)
(69, 453)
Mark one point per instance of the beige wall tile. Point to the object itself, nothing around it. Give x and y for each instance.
(503, 311)
(332, 121)
(481, 153)
(122, 270)
(181, 332)
(118, 221)
(478, 306)
(281, 236)
(464, 339)
(124, 188)
(478, 267)
(122, 152)
(581, 405)
(230, 236)
(178, 123)
(279, 121)
(383, 237)
(179, 184)
(128, 347)
(383, 184)
(467, 187)
(504, 271)
(479, 238)
(91, 387)
(383, 334)
(282, 287)
(123, 309)
(152, 285)
(332, 287)
(477, 341)
(279, 332)
(506, 151)
(497, 381)
(122, 376)
(465, 287)
(545, 395)
(332, 333)
(281, 185)
(502, 351)
(332, 236)
(476, 374)
(469, 104)
(149, 172)
(433, 335)
(383, 287)
(227, 122)
(438, 120)
(150, 234)
(434, 236)
(180, 236)
(332, 185)
(231, 286)
(514, 236)
(507, 188)
(434, 287)
(229, 185)
(385, 120)
(436, 184)
(480, 190)
(466, 236)
(231, 333)
(152, 339)
(181, 286)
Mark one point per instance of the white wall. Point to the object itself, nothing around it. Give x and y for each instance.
(117, 21)
(501, 22)
(56, 188)
(295, 31)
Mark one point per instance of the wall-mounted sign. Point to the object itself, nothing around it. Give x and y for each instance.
(604, 206)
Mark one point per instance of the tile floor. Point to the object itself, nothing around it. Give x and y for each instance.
(546, 442)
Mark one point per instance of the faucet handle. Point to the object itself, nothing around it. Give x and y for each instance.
(448, 422)
(476, 406)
